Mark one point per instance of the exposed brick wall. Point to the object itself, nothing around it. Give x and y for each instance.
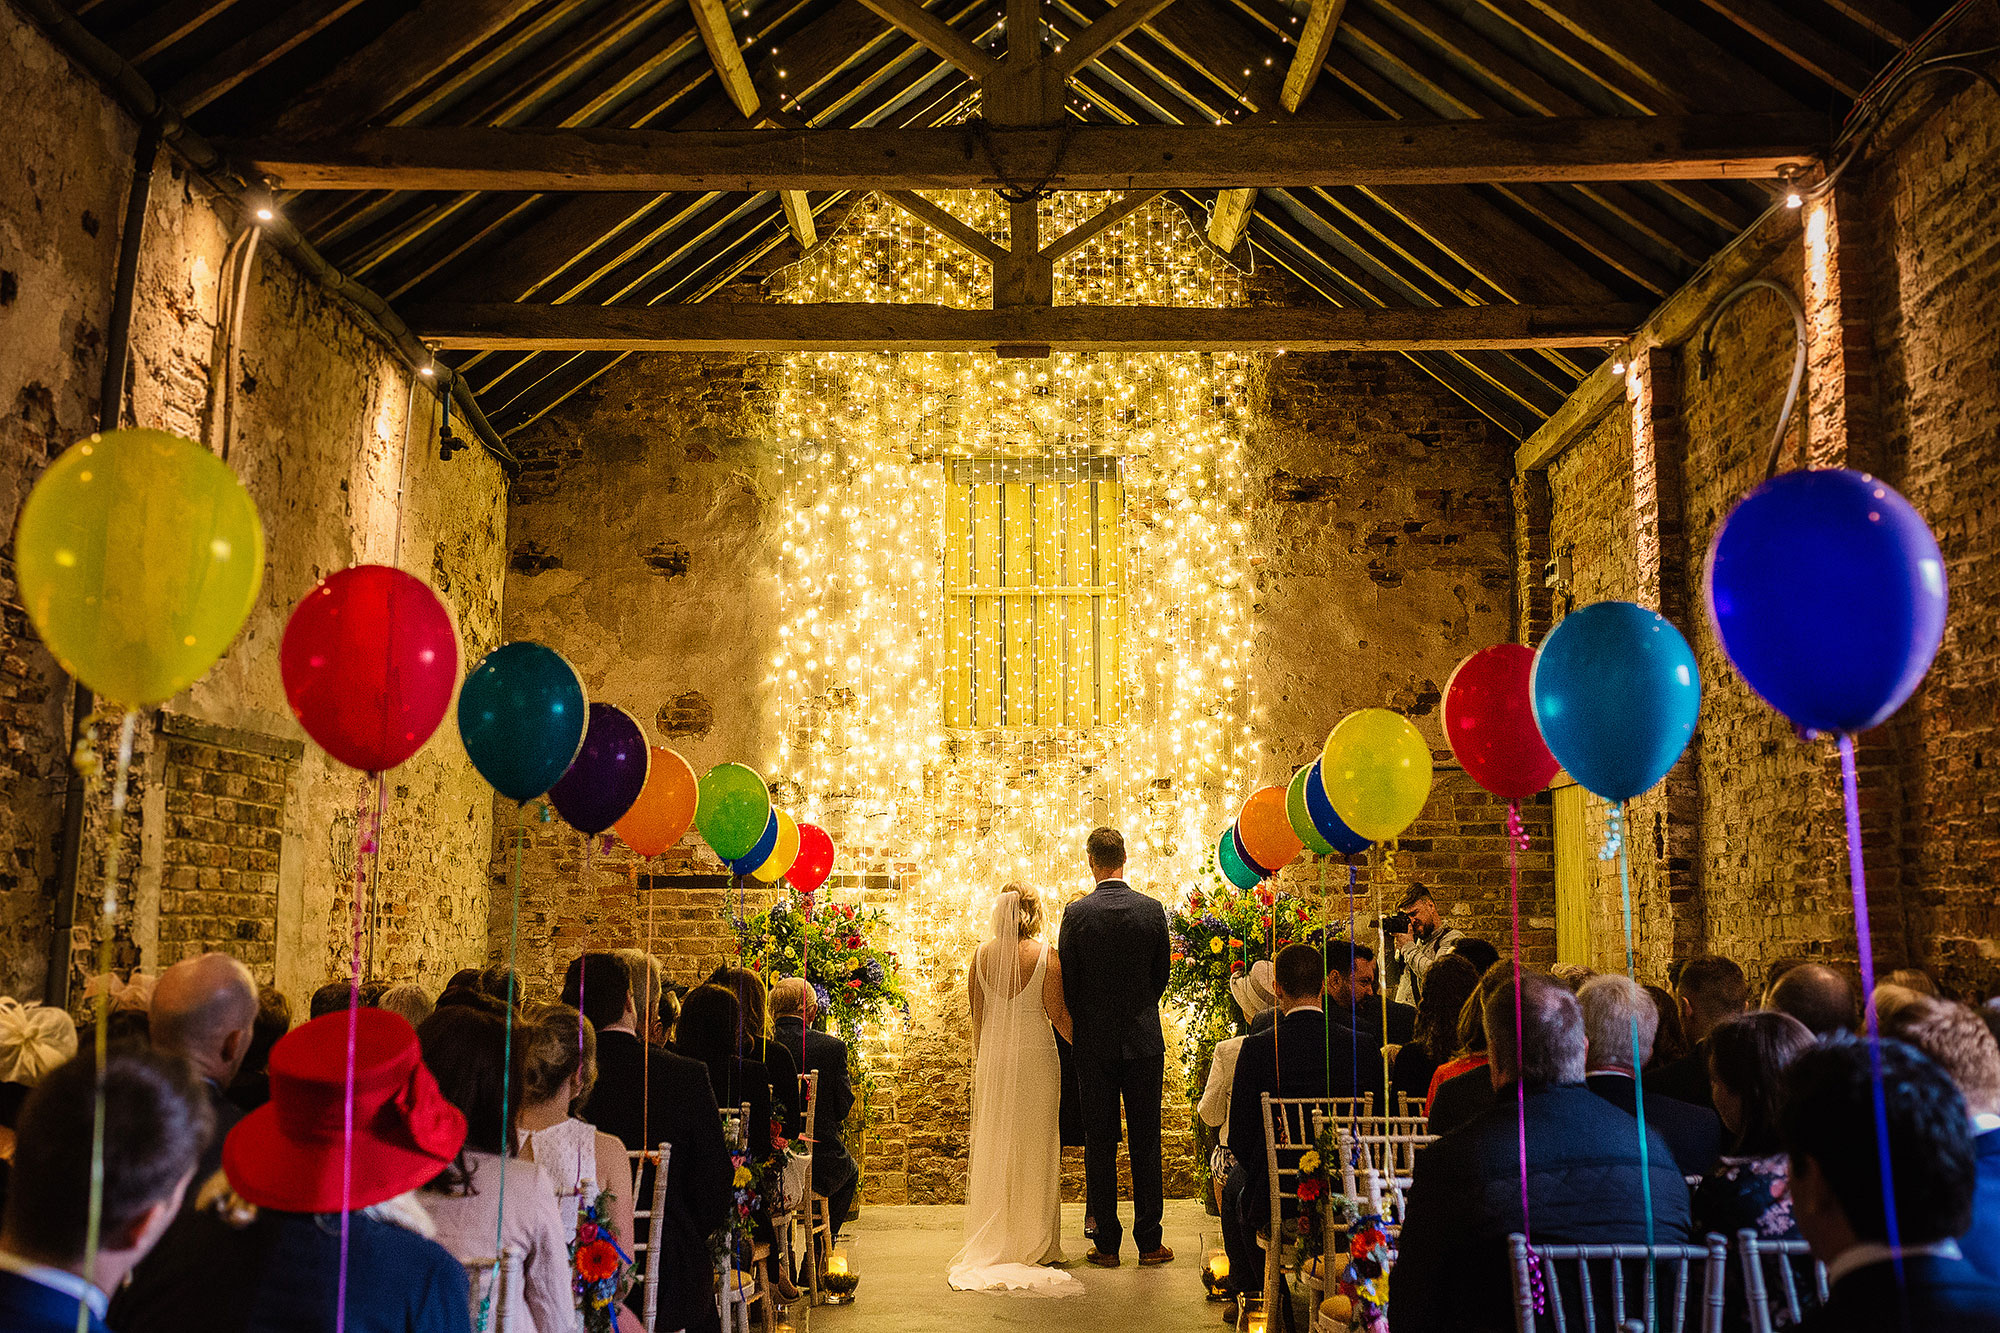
(225, 813)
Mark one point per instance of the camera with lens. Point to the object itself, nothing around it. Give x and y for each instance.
(1397, 923)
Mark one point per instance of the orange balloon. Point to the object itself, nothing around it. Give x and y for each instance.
(1266, 829)
(665, 808)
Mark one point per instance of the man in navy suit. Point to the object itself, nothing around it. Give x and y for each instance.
(1918, 1281)
(157, 1122)
(1115, 955)
(1617, 1009)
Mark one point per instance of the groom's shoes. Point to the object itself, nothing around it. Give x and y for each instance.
(1101, 1259)
(1154, 1258)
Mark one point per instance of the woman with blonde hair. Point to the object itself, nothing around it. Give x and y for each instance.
(1013, 1223)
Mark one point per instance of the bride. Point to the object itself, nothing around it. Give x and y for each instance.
(1013, 1225)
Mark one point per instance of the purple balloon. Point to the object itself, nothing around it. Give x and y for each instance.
(607, 774)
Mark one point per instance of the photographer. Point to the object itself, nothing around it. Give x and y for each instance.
(1420, 938)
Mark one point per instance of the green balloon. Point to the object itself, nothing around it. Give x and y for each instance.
(732, 808)
(1232, 866)
(1300, 818)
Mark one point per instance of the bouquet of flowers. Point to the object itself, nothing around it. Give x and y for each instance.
(598, 1264)
(1218, 935)
(748, 1169)
(837, 948)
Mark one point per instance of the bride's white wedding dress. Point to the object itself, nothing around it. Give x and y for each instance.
(1013, 1209)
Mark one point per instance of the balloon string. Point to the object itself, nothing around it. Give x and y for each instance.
(375, 878)
(646, 1021)
(507, 1137)
(1614, 845)
(1850, 786)
(367, 832)
(94, 1221)
(1517, 838)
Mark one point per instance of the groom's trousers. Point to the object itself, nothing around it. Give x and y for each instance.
(1102, 1084)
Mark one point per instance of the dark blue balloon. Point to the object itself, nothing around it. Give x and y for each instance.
(1243, 853)
(521, 716)
(1331, 826)
(608, 774)
(1828, 593)
(1616, 695)
(767, 842)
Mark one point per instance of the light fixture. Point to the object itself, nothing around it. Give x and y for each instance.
(262, 204)
(1793, 198)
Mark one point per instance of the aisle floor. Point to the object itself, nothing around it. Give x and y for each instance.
(902, 1253)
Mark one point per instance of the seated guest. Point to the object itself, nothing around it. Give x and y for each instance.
(409, 1001)
(1451, 982)
(252, 1086)
(333, 997)
(1829, 1126)
(1959, 1043)
(1462, 1088)
(1747, 1189)
(1476, 952)
(1583, 1183)
(205, 1011)
(1708, 990)
(1572, 975)
(1989, 1014)
(578, 1159)
(156, 1123)
(1617, 1012)
(466, 1051)
(1670, 1042)
(647, 983)
(467, 977)
(1353, 1000)
(1890, 1000)
(755, 1040)
(645, 1097)
(35, 1039)
(503, 983)
(1913, 978)
(794, 1007)
(1817, 996)
(261, 1249)
(1254, 994)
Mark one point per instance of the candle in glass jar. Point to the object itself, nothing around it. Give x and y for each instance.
(1218, 1264)
(836, 1263)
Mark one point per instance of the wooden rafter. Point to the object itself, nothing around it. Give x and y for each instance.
(948, 225)
(1799, 42)
(1233, 207)
(711, 17)
(1084, 157)
(284, 32)
(1101, 221)
(1124, 19)
(751, 326)
(163, 25)
(935, 33)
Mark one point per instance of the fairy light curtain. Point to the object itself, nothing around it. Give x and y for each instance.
(1016, 594)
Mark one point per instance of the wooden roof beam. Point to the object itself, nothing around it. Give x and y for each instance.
(931, 31)
(1126, 18)
(711, 17)
(1234, 207)
(1799, 42)
(710, 326)
(286, 31)
(1083, 157)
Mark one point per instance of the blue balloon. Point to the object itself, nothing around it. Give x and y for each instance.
(1234, 867)
(761, 853)
(1828, 592)
(1616, 694)
(1331, 826)
(521, 715)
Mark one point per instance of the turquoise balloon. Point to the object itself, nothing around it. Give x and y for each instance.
(732, 810)
(521, 714)
(1616, 693)
(1232, 866)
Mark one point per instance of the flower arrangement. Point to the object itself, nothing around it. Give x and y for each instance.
(732, 1240)
(598, 1266)
(836, 947)
(1362, 1274)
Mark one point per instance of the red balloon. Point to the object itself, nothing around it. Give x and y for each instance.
(1489, 720)
(815, 861)
(369, 660)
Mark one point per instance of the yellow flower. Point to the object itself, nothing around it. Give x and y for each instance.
(1215, 945)
(742, 1176)
(1309, 1163)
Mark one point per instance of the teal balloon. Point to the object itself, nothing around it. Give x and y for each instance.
(1233, 867)
(1299, 815)
(732, 810)
(521, 715)
(1617, 694)
(767, 842)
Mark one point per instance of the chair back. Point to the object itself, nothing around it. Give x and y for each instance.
(492, 1283)
(1386, 1196)
(654, 1198)
(1390, 1154)
(1412, 1107)
(1292, 1125)
(736, 1126)
(1792, 1257)
(1632, 1285)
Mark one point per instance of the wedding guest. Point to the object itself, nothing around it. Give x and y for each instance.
(1464, 1087)
(1425, 940)
(252, 1085)
(794, 1009)
(669, 1010)
(1572, 975)
(409, 1001)
(484, 1202)
(205, 1011)
(1254, 994)
(1583, 1183)
(1959, 1043)
(503, 983)
(1434, 1039)
(156, 1123)
(333, 997)
(1817, 996)
(755, 1041)
(1838, 1097)
(645, 1097)
(647, 984)
(1913, 978)
(467, 977)
(261, 1249)
(129, 1025)
(1619, 1019)
(34, 1040)
(1353, 999)
(1670, 1039)
(1748, 1189)
(579, 1160)
(1708, 990)
(1477, 952)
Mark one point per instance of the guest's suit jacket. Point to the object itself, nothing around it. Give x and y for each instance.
(1693, 1132)
(1115, 956)
(30, 1307)
(1934, 1296)
(679, 1110)
(1981, 1244)
(825, 1055)
(1290, 1060)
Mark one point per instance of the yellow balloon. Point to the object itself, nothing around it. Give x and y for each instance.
(1377, 771)
(783, 852)
(138, 557)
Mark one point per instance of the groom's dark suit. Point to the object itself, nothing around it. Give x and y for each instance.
(1115, 957)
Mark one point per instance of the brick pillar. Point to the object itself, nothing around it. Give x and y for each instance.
(1534, 609)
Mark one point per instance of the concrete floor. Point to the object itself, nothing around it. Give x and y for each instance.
(902, 1253)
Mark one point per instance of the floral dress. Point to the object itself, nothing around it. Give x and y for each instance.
(1752, 1194)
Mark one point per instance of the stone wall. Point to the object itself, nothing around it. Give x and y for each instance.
(1742, 852)
(320, 441)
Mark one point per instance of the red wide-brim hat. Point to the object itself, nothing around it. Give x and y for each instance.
(290, 1154)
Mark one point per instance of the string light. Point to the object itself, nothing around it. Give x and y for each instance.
(871, 641)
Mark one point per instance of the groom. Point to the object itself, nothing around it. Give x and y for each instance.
(1114, 951)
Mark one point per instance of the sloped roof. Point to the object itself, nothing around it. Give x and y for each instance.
(243, 69)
